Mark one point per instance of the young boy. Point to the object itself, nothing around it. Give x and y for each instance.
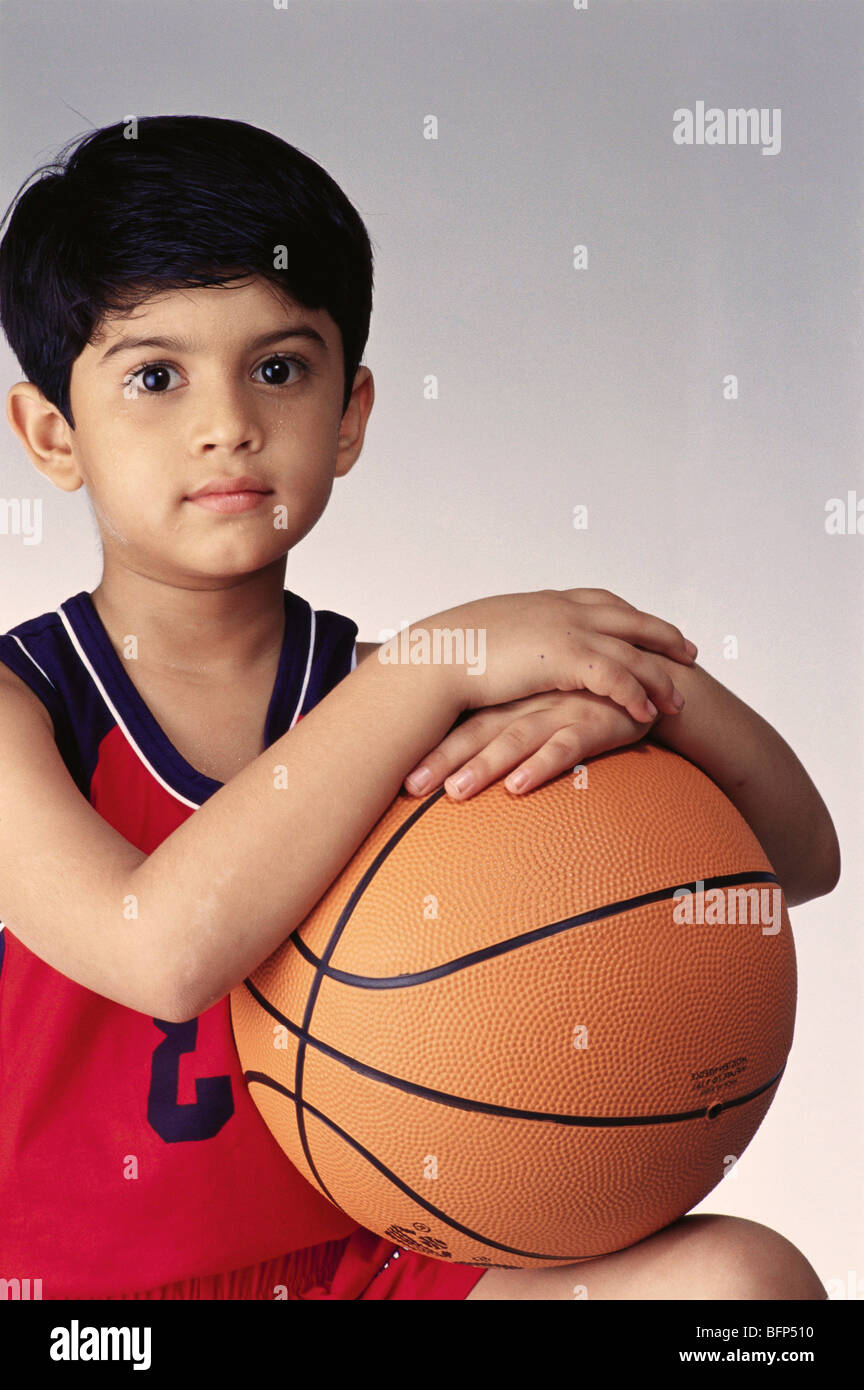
(189, 301)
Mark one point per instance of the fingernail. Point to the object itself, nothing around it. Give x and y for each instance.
(652, 709)
(462, 781)
(420, 778)
(677, 699)
(516, 780)
(691, 649)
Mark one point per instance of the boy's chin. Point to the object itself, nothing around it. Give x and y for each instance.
(204, 572)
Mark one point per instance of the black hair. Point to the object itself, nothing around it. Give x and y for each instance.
(190, 200)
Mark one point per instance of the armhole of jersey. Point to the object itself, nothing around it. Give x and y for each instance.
(353, 665)
(15, 656)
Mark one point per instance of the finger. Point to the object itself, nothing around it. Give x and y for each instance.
(591, 668)
(595, 596)
(455, 749)
(616, 618)
(560, 752)
(654, 677)
(565, 750)
(605, 596)
(469, 736)
(507, 750)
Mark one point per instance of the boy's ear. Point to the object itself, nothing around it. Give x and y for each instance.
(352, 427)
(44, 433)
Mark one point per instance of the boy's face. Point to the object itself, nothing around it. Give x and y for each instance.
(217, 407)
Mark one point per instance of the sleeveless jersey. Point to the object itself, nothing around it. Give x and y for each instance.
(131, 1153)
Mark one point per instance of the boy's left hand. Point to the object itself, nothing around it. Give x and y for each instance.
(539, 736)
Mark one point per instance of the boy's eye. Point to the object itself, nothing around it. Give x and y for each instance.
(150, 379)
(153, 377)
(280, 361)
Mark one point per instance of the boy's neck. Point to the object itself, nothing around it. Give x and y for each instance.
(196, 635)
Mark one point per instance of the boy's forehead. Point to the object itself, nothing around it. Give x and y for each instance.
(229, 311)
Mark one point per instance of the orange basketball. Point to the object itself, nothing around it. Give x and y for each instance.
(506, 1036)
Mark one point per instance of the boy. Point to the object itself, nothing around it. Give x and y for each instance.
(190, 307)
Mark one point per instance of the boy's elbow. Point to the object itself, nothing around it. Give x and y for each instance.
(821, 881)
(830, 863)
(181, 1006)
(180, 1002)
(187, 998)
(178, 1013)
(190, 977)
(833, 869)
(147, 991)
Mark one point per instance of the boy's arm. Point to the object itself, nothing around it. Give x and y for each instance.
(172, 932)
(757, 770)
(760, 774)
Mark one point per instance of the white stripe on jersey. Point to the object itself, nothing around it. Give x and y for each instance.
(116, 713)
(308, 665)
(33, 659)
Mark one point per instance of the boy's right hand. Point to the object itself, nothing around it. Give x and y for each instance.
(564, 639)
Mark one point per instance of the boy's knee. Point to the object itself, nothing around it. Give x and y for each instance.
(730, 1257)
(709, 1257)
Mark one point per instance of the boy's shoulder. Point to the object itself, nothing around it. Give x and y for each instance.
(29, 653)
(15, 684)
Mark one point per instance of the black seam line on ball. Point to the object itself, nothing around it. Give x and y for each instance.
(321, 968)
(513, 943)
(265, 1080)
(483, 1107)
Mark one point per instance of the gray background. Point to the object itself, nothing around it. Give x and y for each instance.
(560, 387)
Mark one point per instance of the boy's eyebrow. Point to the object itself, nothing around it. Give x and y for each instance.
(297, 330)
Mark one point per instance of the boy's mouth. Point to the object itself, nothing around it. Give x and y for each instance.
(230, 494)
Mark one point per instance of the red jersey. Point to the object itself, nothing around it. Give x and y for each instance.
(131, 1153)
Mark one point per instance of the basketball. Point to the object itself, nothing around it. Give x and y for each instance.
(530, 1030)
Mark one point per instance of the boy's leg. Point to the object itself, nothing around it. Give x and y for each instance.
(705, 1256)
